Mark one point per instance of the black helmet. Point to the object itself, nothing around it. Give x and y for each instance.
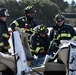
(41, 29)
(29, 9)
(3, 12)
(59, 18)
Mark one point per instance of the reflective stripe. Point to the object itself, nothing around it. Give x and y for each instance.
(16, 23)
(63, 35)
(74, 37)
(37, 49)
(23, 19)
(50, 42)
(5, 35)
(7, 47)
(28, 7)
(31, 30)
(21, 29)
(42, 28)
(33, 51)
(1, 44)
(58, 37)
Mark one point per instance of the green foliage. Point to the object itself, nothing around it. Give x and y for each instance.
(45, 9)
(62, 5)
(71, 8)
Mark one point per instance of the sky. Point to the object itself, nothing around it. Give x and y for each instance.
(69, 1)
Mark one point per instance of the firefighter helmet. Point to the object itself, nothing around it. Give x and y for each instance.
(59, 18)
(29, 9)
(41, 29)
(3, 12)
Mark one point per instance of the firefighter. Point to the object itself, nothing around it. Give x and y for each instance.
(39, 41)
(4, 34)
(4, 37)
(61, 31)
(26, 22)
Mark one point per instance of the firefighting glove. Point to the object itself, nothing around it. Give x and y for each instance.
(42, 51)
(54, 47)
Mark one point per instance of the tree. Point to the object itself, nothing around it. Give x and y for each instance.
(46, 10)
(73, 3)
(62, 5)
(72, 7)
